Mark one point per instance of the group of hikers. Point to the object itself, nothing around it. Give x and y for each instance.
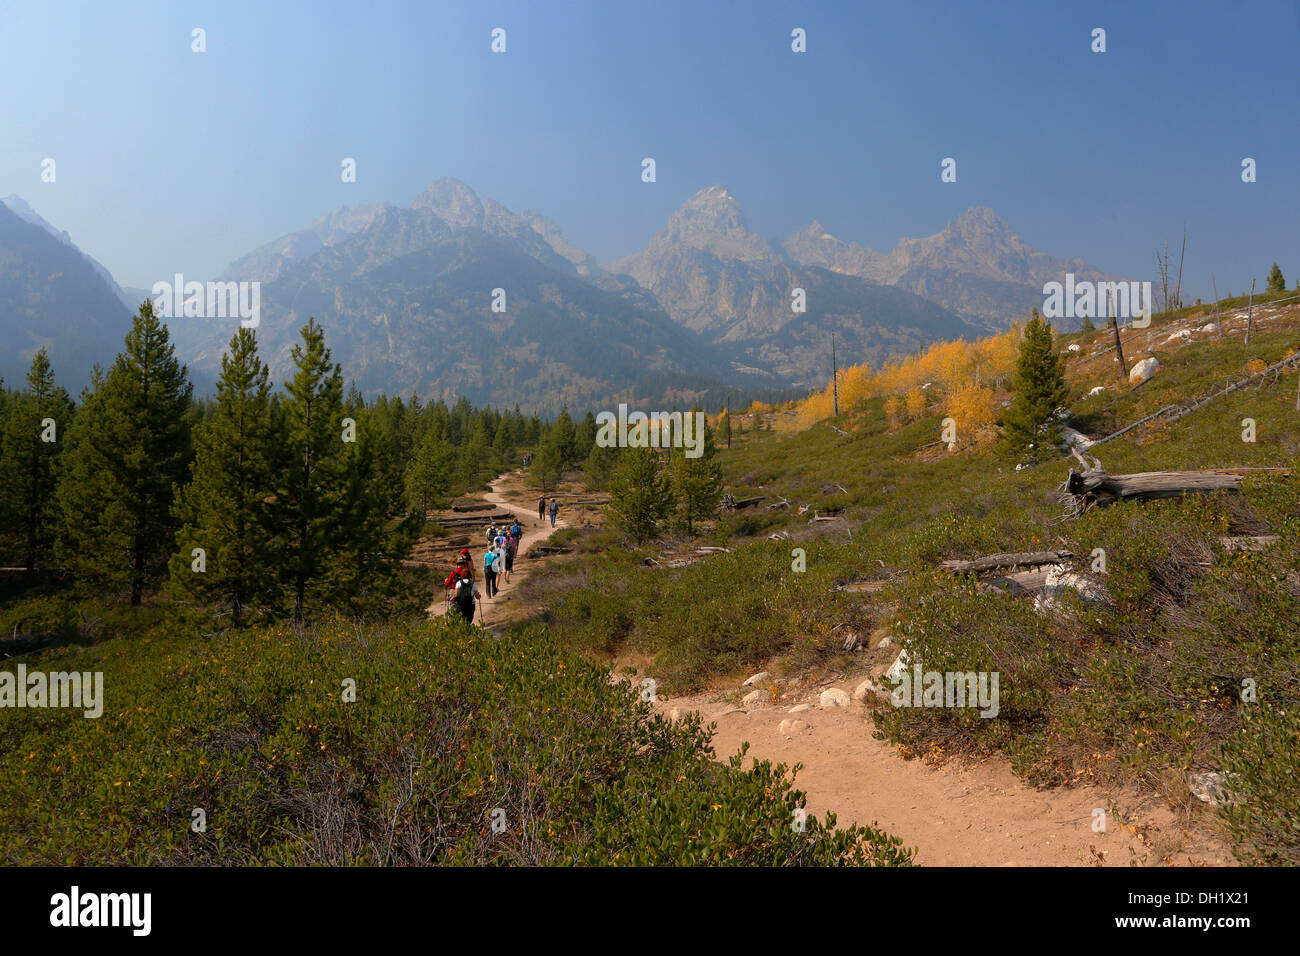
(498, 564)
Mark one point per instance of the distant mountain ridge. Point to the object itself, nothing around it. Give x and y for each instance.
(404, 293)
(405, 296)
(976, 266)
(716, 276)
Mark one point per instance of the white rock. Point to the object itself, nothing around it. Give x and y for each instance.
(756, 698)
(1143, 370)
(1207, 786)
(799, 708)
(866, 688)
(1059, 579)
(886, 641)
(1073, 346)
(834, 697)
(792, 726)
(1182, 335)
(1212, 327)
(756, 679)
(1097, 391)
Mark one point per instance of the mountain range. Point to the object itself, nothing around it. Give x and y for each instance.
(708, 309)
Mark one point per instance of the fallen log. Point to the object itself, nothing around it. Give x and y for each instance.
(1249, 542)
(541, 550)
(478, 506)
(1017, 559)
(867, 587)
(747, 502)
(1093, 486)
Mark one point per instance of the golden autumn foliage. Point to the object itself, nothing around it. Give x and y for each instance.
(952, 365)
(972, 408)
(915, 402)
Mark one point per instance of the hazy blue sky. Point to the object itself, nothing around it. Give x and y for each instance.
(172, 161)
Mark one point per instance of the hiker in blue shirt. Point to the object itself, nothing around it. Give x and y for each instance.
(490, 572)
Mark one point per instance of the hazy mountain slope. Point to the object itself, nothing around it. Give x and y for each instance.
(715, 276)
(52, 295)
(976, 267)
(407, 308)
(20, 208)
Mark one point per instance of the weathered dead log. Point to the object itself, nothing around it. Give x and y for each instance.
(1022, 583)
(1249, 542)
(541, 550)
(1019, 559)
(747, 502)
(862, 587)
(709, 549)
(478, 506)
(1095, 487)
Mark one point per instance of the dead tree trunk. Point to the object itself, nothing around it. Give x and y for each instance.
(1250, 311)
(1093, 486)
(1022, 559)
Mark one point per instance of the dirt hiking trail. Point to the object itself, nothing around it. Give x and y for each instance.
(503, 609)
(955, 814)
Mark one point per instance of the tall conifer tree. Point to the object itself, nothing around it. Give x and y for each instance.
(129, 448)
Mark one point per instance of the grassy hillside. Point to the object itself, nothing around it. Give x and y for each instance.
(1192, 664)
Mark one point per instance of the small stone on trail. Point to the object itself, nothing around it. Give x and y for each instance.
(834, 697)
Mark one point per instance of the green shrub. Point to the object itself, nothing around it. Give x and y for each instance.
(448, 733)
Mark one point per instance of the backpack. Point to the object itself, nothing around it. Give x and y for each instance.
(464, 599)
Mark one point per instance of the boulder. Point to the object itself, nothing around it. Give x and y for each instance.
(834, 697)
(1143, 370)
(756, 698)
(799, 708)
(757, 679)
(1212, 327)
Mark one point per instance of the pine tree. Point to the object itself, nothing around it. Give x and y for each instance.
(1039, 385)
(364, 570)
(697, 482)
(34, 423)
(1276, 281)
(1087, 328)
(548, 466)
(586, 437)
(428, 479)
(310, 494)
(640, 494)
(129, 448)
(565, 436)
(225, 508)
